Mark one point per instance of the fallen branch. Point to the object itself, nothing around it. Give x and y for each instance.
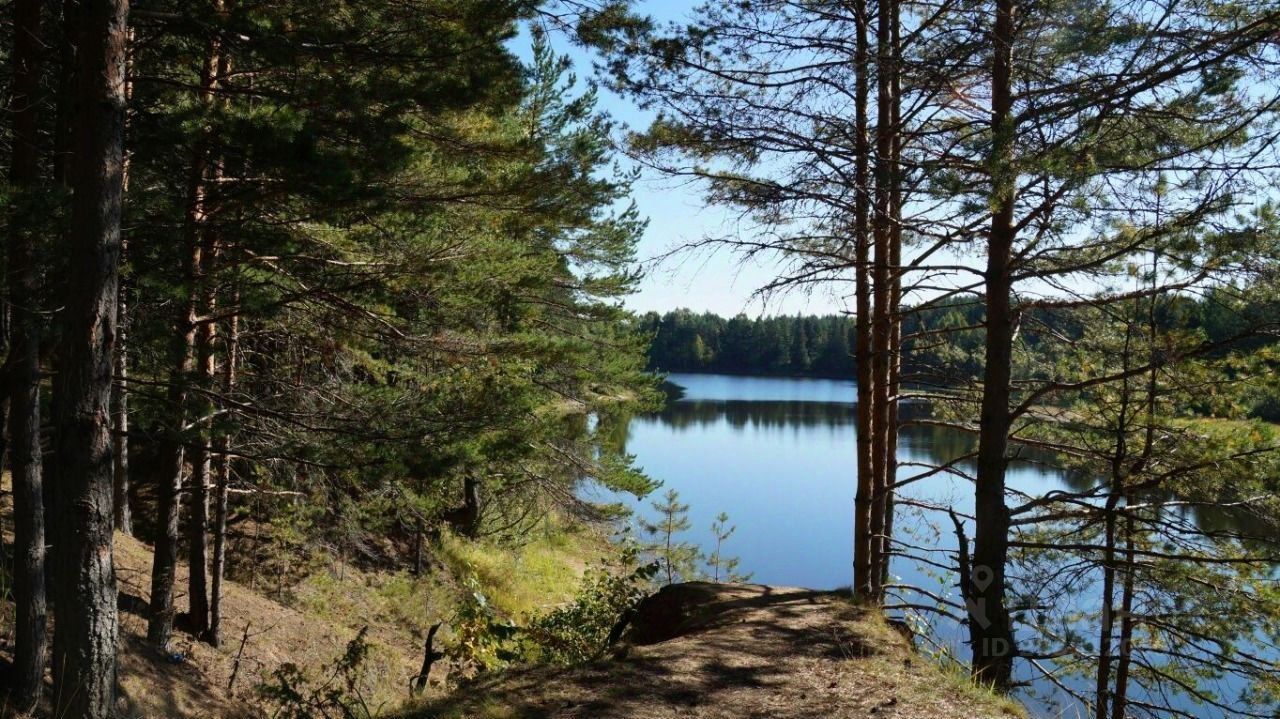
(429, 657)
(235, 667)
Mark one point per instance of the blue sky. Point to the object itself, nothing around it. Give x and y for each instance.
(716, 282)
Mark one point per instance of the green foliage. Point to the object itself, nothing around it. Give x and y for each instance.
(685, 341)
(810, 346)
(575, 632)
(579, 631)
(677, 560)
(482, 638)
(724, 568)
(424, 242)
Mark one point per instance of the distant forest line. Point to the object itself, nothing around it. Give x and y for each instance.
(798, 346)
(947, 335)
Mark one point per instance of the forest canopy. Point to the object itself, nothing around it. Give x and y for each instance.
(294, 288)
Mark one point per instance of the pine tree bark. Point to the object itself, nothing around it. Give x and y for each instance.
(201, 472)
(120, 415)
(1106, 629)
(881, 332)
(990, 628)
(65, 107)
(120, 389)
(206, 370)
(65, 103)
(862, 310)
(895, 362)
(184, 368)
(224, 473)
(1115, 489)
(30, 621)
(85, 639)
(1124, 653)
(895, 300)
(164, 565)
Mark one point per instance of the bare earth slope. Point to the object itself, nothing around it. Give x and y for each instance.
(196, 686)
(714, 651)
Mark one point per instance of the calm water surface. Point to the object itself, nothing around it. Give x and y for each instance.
(778, 455)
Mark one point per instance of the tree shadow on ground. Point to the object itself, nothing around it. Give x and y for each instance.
(722, 648)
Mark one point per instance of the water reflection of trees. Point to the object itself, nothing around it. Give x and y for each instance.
(1057, 593)
(757, 414)
(921, 443)
(766, 413)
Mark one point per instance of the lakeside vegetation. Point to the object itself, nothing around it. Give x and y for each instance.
(316, 310)
(1076, 173)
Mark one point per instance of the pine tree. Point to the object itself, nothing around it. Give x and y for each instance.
(85, 640)
(677, 559)
(724, 568)
(24, 283)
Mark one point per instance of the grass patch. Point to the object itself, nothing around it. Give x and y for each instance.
(952, 678)
(487, 709)
(957, 680)
(520, 580)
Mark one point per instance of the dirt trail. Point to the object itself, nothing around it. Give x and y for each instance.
(743, 651)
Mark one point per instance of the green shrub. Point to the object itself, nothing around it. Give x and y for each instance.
(570, 634)
(482, 638)
(579, 631)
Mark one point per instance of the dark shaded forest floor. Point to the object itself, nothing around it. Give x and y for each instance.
(738, 652)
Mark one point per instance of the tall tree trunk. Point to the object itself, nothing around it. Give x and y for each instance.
(862, 535)
(895, 340)
(85, 639)
(182, 375)
(206, 369)
(201, 466)
(1106, 630)
(120, 389)
(1115, 489)
(120, 414)
(990, 628)
(65, 107)
(881, 320)
(895, 301)
(1124, 654)
(164, 565)
(66, 100)
(24, 378)
(232, 341)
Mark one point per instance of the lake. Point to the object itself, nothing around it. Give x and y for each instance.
(778, 455)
